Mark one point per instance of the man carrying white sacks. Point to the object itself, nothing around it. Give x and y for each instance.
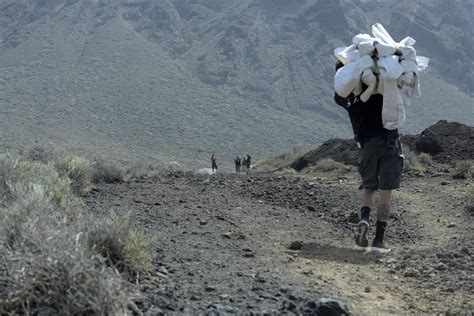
(375, 79)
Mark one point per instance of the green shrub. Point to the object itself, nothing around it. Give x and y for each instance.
(122, 247)
(79, 170)
(463, 170)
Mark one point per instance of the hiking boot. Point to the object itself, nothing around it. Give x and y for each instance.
(378, 244)
(362, 234)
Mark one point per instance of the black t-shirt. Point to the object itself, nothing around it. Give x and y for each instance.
(366, 117)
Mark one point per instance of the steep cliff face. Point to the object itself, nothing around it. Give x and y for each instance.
(176, 78)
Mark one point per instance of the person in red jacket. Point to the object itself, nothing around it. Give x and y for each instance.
(214, 163)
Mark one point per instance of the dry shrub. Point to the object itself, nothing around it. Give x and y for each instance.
(411, 163)
(141, 170)
(328, 164)
(286, 172)
(79, 170)
(123, 247)
(108, 172)
(175, 168)
(47, 266)
(30, 186)
(281, 161)
(59, 277)
(463, 170)
(39, 153)
(425, 159)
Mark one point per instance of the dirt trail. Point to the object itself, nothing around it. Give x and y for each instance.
(221, 244)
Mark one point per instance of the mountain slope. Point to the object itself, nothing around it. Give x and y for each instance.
(179, 79)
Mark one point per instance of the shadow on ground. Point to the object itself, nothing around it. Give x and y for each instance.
(335, 253)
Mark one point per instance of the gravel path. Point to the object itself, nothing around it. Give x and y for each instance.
(221, 243)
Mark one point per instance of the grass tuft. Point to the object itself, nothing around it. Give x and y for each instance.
(425, 159)
(107, 172)
(79, 170)
(327, 165)
(54, 278)
(412, 163)
(123, 247)
(281, 161)
(47, 266)
(463, 170)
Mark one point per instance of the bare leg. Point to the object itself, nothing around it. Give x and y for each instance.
(383, 211)
(368, 198)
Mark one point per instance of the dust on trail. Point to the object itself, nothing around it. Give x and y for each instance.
(221, 244)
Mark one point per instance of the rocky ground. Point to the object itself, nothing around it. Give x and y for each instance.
(222, 243)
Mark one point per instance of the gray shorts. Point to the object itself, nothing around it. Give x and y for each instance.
(381, 164)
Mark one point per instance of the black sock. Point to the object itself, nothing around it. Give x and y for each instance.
(365, 213)
(380, 231)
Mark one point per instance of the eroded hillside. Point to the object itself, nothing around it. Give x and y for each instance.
(179, 79)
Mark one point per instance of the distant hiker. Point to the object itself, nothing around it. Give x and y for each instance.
(238, 163)
(244, 163)
(214, 163)
(249, 162)
(381, 162)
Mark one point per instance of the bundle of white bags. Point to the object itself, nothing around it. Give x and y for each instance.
(381, 65)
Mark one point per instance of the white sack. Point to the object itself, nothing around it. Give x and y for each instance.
(347, 78)
(396, 65)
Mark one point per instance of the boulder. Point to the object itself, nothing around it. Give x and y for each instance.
(428, 143)
(331, 307)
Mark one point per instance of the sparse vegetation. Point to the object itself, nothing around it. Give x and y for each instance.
(425, 159)
(412, 163)
(141, 170)
(463, 170)
(327, 165)
(177, 168)
(58, 276)
(79, 170)
(26, 187)
(123, 248)
(108, 172)
(48, 265)
(39, 153)
(281, 161)
(286, 172)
